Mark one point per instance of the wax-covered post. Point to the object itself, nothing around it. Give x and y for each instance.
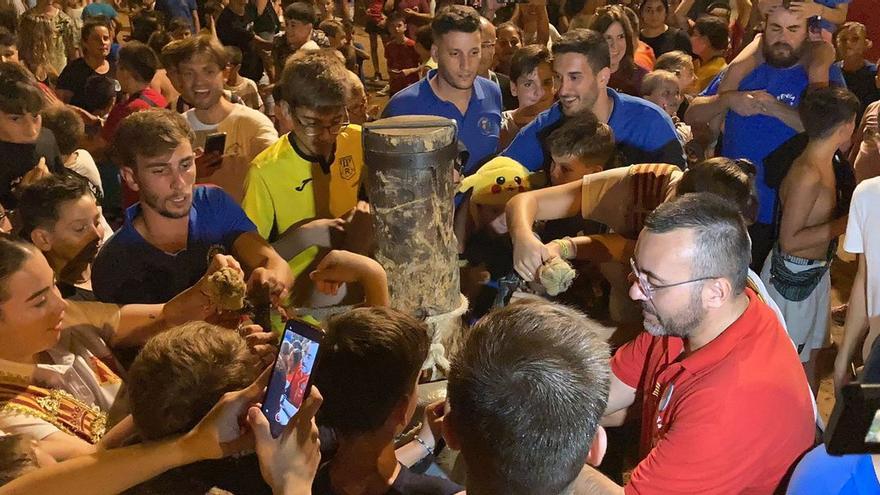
(409, 162)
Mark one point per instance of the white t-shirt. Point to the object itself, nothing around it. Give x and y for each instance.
(81, 162)
(863, 237)
(248, 133)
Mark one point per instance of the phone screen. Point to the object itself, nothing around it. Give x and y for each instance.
(215, 143)
(291, 375)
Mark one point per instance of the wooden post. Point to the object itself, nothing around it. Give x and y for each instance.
(409, 162)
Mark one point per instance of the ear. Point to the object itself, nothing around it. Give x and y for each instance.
(603, 77)
(868, 43)
(399, 416)
(284, 108)
(434, 51)
(598, 448)
(42, 239)
(716, 293)
(448, 430)
(128, 176)
(513, 89)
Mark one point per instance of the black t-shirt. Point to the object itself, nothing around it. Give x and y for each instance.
(406, 483)
(672, 39)
(74, 76)
(861, 83)
(238, 30)
(19, 159)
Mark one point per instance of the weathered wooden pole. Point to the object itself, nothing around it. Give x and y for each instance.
(409, 162)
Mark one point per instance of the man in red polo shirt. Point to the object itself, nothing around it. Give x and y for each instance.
(725, 403)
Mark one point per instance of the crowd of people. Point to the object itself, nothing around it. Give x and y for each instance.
(693, 164)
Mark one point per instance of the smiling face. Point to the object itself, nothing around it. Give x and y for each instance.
(578, 86)
(667, 95)
(31, 316)
(507, 42)
(201, 81)
(616, 38)
(165, 183)
(298, 33)
(535, 89)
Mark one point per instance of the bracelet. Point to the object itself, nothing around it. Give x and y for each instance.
(424, 445)
(567, 248)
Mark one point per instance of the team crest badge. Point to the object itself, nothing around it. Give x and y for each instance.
(346, 167)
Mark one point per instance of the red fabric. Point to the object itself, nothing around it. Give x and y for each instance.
(401, 56)
(866, 12)
(297, 380)
(739, 411)
(644, 56)
(133, 104)
(374, 10)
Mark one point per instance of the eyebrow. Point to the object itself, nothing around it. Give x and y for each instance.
(38, 294)
(648, 272)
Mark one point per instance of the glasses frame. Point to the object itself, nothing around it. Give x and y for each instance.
(648, 289)
(316, 130)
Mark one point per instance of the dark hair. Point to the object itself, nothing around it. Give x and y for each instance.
(203, 44)
(511, 25)
(718, 5)
(382, 347)
(586, 42)
(314, 80)
(181, 373)
(139, 60)
(714, 29)
(144, 25)
(15, 458)
(233, 53)
(822, 110)
(526, 59)
(7, 38)
(424, 36)
(396, 17)
(13, 254)
(643, 2)
(19, 92)
(92, 24)
(99, 93)
(40, 202)
(157, 42)
(66, 125)
(455, 18)
(585, 137)
(179, 24)
(331, 27)
(301, 11)
(608, 15)
(721, 241)
(149, 133)
(733, 180)
(532, 378)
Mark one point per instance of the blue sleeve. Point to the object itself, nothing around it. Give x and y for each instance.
(835, 76)
(819, 472)
(228, 215)
(192, 5)
(526, 148)
(396, 106)
(712, 88)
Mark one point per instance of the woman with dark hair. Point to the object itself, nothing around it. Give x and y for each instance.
(613, 23)
(655, 32)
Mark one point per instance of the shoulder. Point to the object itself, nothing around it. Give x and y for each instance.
(819, 472)
(274, 154)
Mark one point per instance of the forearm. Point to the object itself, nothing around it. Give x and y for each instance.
(139, 322)
(291, 244)
(743, 12)
(592, 482)
(521, 211)
(705, 108)
(856, 318)
(788, 115)
(543, 29)
(837, 15)
(117, 470)
(681, 13)
(744, 63)
(375, 286)
(811, 237)
(195, 15)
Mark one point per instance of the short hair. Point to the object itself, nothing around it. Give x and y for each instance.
(608, 15)
(652, 80)
(66, 125)
(396, 17)
(139, 60)
(526, 59)
(202, 44)
(715, 30)
(331, 27)
(40, 203)
(150, 133)
(15, 458)
(723, 248)
(586, 42)
(144, 25)
(301, 11)
(179, 24)
(511, 25)
(733, 180)
(718, 5)
(157, 42)
(531, 378)
(91, 24)
(99, 93)
(455, 18)
(19, 92)
(234, 55)
(14, 253)
(823, 110)
(181, 373)
(643, 2)
(384, 349)
(847, 26)
(585, 137)
(7, 38)
(424, 37)
(674, 61)
(314, 80)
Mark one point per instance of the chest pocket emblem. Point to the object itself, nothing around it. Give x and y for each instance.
(346, 167)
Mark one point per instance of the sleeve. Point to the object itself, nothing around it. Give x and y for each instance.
(13, 423)
(234, 220)
(628, 363)
(257, 203)
(597, 195)
(712, 88)
(193, 6)
(526, 148)
(835, 76)
(66, 78)
(853, 241)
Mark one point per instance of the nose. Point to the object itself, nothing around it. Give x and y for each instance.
(635, 291)
(32, 125)
(58, 303)
(98, 230)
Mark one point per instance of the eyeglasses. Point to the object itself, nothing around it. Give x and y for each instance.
(649, 289)
(316, 130)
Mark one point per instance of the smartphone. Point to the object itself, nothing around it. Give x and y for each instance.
(292, 373)
(854, 426)
(215, 143)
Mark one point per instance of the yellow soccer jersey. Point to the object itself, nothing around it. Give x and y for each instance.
(284, 189)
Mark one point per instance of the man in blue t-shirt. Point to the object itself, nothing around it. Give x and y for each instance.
(170, 236)
(185, 9)
(454, 90)
(581, 61)
(763, 113)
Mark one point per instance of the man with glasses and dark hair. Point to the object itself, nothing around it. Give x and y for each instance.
(299, 187)
(725, 404)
